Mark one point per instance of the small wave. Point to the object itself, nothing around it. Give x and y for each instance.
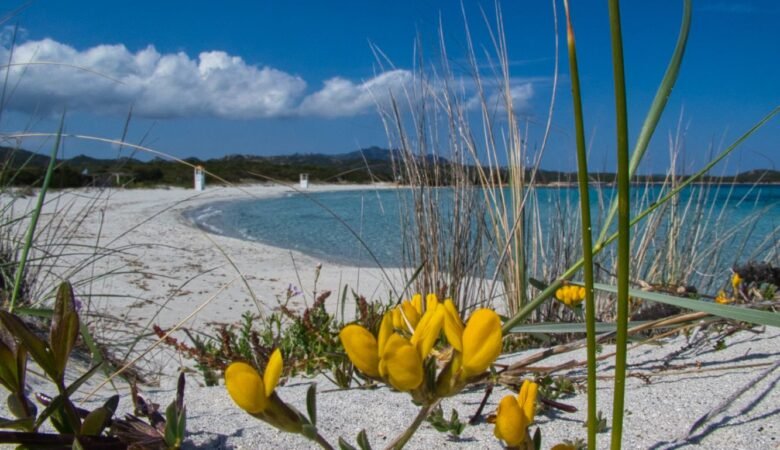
(206, 213)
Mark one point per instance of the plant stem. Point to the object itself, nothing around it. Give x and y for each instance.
(19, 275)
(587, 238)
(322, 442)
(399, 442)
(624, 225)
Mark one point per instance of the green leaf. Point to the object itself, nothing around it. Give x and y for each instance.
(573, 327)
(59, 400)
(176, 417)
(95, 422)
(740, 313)
(16, 406)
(9, 377)
(362, 440)
(64, 328)
(344, 445)
(311, 403)
(538, 439)
(98, 419)
(27, 339)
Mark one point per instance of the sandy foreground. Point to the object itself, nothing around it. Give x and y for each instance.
(162, 270)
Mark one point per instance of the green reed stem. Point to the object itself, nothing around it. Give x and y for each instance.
(587, 238)
(601, 245)
(28, 239)
(656, 108)
(624, 225)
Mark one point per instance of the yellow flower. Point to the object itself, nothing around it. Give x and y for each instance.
(736, 280)
(392, 357)
(570, 295)
(481, 342)
(401, 365)
(408, 313)
(722, 298)
(515, 414)
(453, 326)
(247, 389)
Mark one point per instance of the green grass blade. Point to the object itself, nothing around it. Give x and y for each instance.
(567, 328)
(740, 313)
(19, 276)
(624, 223)
(656, 108)
(587, 238)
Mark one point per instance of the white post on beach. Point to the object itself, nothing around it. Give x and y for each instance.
(200, 178)
(304, 181)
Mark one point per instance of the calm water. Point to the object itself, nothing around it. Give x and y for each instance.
(313, 224)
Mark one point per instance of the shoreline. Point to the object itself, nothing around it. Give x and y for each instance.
(165, 267)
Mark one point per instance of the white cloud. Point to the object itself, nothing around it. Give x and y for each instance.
(521, 93)
(110, 78)
(47, 76)
(340, 97)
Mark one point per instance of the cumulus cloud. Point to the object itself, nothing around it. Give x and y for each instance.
(340, 97)
(46, 76)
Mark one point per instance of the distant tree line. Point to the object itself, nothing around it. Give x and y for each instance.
(19, 167)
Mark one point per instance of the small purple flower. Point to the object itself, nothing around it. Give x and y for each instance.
(293, 291)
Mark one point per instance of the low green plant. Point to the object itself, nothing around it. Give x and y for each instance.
(452, 426)
(308, 339)
(75, 426)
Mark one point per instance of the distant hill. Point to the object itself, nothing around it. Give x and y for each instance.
(22, 167)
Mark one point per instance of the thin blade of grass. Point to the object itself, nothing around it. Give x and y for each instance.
(733, 312)
(28, 240)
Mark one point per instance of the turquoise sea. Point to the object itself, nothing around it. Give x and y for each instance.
(746, 218)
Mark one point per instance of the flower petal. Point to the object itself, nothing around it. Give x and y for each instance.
(403, 364)
(272, 372)
(428, 331)
(362, 349)
(510, 422)
(411, 315)
(245, 387)
(527, 399)
(431, 302)
(481, 342)
(385, 330)
(453, 326)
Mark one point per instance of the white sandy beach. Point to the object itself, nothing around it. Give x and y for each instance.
(176, 269)
(160, 268)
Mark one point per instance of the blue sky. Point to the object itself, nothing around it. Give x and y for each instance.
(276, 77)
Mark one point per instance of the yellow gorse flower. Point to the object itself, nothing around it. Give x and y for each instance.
(736, 280)
(393, 357)
(255, 394)
(723, 299)
(247, 389)
(475, 347)
(571, 295)
(407, 336)
(515, 414)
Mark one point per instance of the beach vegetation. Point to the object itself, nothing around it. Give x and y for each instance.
(75, 426)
